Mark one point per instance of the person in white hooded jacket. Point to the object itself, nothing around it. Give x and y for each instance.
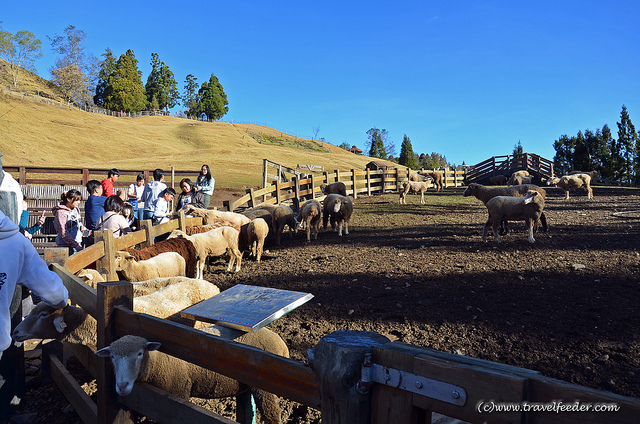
(21, 264)
(151, 193)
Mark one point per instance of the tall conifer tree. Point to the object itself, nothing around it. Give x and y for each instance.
(407, 157)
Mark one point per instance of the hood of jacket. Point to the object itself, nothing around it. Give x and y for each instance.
(61, 206)
(7, 227)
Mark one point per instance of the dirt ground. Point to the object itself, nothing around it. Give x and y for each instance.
(566, 306)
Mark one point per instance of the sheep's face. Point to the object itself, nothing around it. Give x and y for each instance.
(530, 197)
(337, 205)
(553, 181)
(43, 322)
(469, 190)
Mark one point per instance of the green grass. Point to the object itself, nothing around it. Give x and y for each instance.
(298, 143)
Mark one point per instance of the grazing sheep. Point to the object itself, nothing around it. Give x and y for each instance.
(283, 215)
(527, 208)
(184, 247)
(339, 208)
(521, 173)
(257, 232)
(215, 242)
(498, 180)
(414, 187)
(520, 180)
(136, 359)
(310, 218)
(337, 188)
(72, 324)
(168, 264)
(213, 216)
(576, 181)
(437, 177)
(484, 194)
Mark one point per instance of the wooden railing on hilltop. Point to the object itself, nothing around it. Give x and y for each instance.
(508, 164)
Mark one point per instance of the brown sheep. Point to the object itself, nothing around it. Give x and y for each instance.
(337, 187)
(520, 180)
(521, 173)
(182, 246)
(310, 216)
(576, 181)
(437, 178)
(257, 232)
(283, 215)
(498, 180)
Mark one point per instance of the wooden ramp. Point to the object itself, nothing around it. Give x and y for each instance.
(537, 166)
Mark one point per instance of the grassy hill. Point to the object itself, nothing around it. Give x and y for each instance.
(37, 134)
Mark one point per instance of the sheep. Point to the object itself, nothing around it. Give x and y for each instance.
(520, 180)
(339, 208)
(136, 359)
(91, 277)
(414, 187)
(498, 180)
(576, 181)
(283, 215)
(484, 194)
(521, 173)
(215, 242)
(257, 232)
(197, 229)
(212, 216)
(168, 264)
(595, 175)
(527, 208)
(72, 324)
(184, 247)
(337, 188)
(437, 177)
(310, 216)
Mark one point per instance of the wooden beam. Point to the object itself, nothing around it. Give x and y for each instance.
(86, 409)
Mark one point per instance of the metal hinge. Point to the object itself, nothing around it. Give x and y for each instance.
(403, 380)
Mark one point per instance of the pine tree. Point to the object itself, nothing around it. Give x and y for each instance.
(189, 96)
(125, 91)
(107, 68)
(580, 159)
(627, 167)
(161, 88)
(602, 157)
(517, 149)
(211, 99)
(376, 141)
(407, 157)
(562, 161)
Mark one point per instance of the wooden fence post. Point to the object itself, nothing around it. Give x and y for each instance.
(182, 221)
(368, 182)
(109, 296)
(85, 176)
(57, 255)
(325, 174)
(147, 225)
(278, 191)
(353, 183)
(384, 181)
(343, 402)
(397, 180)
(107, 264)
(23, 175)
(337, 177)
(296, 192)
(313, 187)
(252, 198)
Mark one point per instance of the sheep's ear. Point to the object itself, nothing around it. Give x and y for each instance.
(153, 345)
(59, 324)
(105, 352)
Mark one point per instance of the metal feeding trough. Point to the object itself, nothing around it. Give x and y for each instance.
(247, 308)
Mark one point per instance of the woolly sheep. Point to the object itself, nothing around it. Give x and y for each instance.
(339, 208)
(283, 215)
(568, 182)
(257, 232)
(527, 208)
(520, 180)
(168, 264)
(197, 229)
(310, 215)
(215, 242)
(498, 180)
(91, 277)
(337, 188)
(521, 173)
(595, 175)
(484, 194)
(212, 216)
(437, 177)
(182, 246)
(136, 359)
(414, 187)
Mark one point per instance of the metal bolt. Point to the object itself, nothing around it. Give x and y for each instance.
(419, 384)
(455, 395)
(387, 377)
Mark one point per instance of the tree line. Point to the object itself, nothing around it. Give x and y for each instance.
(113, 83)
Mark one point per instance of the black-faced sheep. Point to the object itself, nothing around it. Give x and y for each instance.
(568, 182)
(484, 194)
(334, 188)
(414, 187)
(136, 359)
(338, 208)
(168, 264)
(257, 232)
(283, 215)
(498, 180)
(437, 177)
(310, 215)
(216, 242)
(184, 247)
(506, 208)
(210, 216)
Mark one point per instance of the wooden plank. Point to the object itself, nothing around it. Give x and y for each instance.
(80, 293)
(86, 409)
(106, 264)
(86, 256)
(131, 239)
(273, 373)
(57, 255)
(85, 355)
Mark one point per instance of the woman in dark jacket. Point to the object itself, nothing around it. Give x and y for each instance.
(189, 195)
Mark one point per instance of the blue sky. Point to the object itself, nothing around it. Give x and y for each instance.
(465, 79)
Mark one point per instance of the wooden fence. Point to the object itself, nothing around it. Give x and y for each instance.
(395, 398)
(506, 165)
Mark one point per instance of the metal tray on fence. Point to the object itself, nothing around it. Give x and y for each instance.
(247, 308)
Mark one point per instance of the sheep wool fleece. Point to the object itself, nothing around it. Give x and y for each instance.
(21, 264)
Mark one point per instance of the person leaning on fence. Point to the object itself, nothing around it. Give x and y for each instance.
(112, 219)
(162, 206)
(107, 184)
(135, 193)
(151, 192)
(24, 221)
(205, 183)
(94, 206)
(189, 195)
(67, 221)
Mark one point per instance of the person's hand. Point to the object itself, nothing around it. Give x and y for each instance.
(28, 235)
(25, 205)
(41, 220)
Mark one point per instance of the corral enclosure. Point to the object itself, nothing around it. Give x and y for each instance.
(565, 306)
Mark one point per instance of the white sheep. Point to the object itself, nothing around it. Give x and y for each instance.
(257, 232)
(521, 173)
(91, 277)
(527, 208)
(520, 180)
(339, 209)
(168, 264)
(283, 215)
(136, 359)
(415, 187)
(310, 215)
(212, 216)
(216, 242)
(568, 182)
